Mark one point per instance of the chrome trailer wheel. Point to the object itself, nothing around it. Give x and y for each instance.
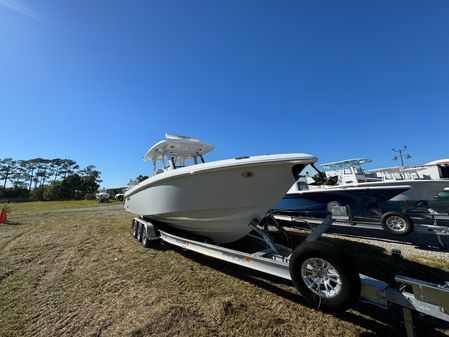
(324, 277)
(140, 229)
(321, 277)
(146, 241)
(135, 228)
(397, 223)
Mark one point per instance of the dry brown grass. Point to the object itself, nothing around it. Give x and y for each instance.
(39, 206)
(82, 274)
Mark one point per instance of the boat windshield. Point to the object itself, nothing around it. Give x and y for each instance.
(181, 161)
(312, 175)
(169, 161)
(358, 170)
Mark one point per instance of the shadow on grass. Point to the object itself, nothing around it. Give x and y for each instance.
(12, 223)
(369, 260)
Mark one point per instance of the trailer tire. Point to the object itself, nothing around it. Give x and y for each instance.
(320, 261)
(146, 242)
(140, 232)
(396, 223)
(135, 229)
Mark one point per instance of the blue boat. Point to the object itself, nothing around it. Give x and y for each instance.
(314, 202)
(312, 194)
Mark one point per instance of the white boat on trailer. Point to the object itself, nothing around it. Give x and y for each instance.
(217, 200)
(395, 214)
(350, 173)
(318, 270)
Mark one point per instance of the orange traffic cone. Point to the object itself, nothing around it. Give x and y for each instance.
(3, 215)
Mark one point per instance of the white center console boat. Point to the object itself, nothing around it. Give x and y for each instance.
(216, 200)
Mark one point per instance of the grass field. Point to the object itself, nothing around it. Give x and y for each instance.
(80, 273)
(52, 205)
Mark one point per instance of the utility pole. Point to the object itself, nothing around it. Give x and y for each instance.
(402, 155)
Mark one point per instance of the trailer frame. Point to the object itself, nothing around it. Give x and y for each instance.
(426, 298)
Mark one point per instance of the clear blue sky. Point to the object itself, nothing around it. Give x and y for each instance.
(101, 81)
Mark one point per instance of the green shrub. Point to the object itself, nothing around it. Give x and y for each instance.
(89, 196)
(37, 194)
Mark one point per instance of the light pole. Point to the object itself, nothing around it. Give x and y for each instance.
(401, 154)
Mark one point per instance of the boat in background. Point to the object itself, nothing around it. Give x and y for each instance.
(350, 173)
(217, 200)
(434, 170)
(102, 196)
(315, 195)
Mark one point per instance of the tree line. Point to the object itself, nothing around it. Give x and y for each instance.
(47, 179)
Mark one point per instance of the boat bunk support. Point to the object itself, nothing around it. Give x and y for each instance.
(265, 235)
(319, 228)
(435, 216)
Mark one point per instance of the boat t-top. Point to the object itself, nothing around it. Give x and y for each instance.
(216, 200)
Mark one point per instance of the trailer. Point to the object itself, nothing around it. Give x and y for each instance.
(318, 271)
(404, 221)
(344, 219)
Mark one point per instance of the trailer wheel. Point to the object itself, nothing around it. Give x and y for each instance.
(324, 277)
(135, 229)
(397, 223)
(146, 242)
(139, 232)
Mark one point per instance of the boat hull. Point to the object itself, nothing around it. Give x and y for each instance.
(440, 202)
(217, 201)
(313, 203)
(421, 190)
